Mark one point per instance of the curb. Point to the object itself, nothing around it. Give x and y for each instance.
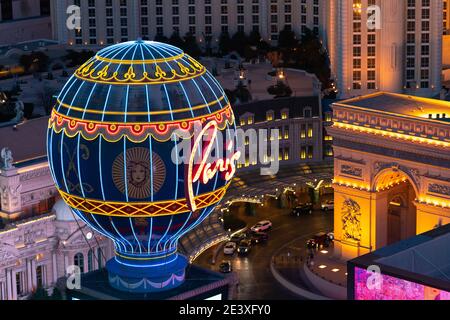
(289, 285)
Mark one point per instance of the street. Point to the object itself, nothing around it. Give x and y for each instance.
(255, 279)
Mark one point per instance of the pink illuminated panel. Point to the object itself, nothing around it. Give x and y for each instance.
(394, 289)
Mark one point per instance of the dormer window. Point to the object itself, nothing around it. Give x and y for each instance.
(284, 114)
(250, 120)
(307, 112)
(269, 115)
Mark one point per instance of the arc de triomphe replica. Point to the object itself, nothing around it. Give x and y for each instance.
(391, 171)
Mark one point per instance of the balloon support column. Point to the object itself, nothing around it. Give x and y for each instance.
(159, 273)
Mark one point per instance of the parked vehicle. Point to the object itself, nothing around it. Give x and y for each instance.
(229, 248)
(259, 237)
(328, 205)
(225, 266)
(311, 244)
(244, 246)
(262, 226)
(305, 208)
(322, 240)
(330, 236)
(238, 237)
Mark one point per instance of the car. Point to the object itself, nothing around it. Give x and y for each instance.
(311, 244)
(238, 237)
(244, 246)
(330, 236)
(305, 208)
(262, 226)
(327, 205)
(259, 237)
(225, 266)
(229, 248)
(322, 239)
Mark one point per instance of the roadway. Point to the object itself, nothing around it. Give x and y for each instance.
(255, 279)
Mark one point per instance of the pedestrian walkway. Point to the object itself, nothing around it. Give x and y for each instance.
(290, 262)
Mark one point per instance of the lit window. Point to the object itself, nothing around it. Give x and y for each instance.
(284, 115)
(310, 131)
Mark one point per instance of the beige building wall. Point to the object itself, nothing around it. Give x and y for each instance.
(403, 53)
(27, 22)
(206, 19)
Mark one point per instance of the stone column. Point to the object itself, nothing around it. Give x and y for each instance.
(8, 285)
(66, 263)
(85, 261)
(54, 268)
(29, 276)
(33, 273)
(14, 285)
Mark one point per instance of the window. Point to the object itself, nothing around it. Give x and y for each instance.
(78, 260)
(307, 113)
(310, 130)
(310, 152)
(40, 276)
(284, 115)
(269, 116)
(286, 133)
(99, 258)
(303, 153)
(90, 260)
(19, 283)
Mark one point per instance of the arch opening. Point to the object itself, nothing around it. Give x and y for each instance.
(397, 194)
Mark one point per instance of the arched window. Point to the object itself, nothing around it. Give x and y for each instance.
(99, 258)
(78, 260)
(90, 260)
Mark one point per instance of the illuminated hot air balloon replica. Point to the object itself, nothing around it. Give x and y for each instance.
(114, 157)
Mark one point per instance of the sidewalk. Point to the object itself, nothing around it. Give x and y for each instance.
(313, 276)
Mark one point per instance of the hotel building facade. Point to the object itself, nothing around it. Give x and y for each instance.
(399, 51)
(111, 21)
(24, 20)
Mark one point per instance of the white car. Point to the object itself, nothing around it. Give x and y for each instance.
(328, 205)
(262, 226)
(229, 248)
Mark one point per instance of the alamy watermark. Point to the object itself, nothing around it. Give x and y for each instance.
(73, 21)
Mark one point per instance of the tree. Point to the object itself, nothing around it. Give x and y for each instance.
(230, 95)
(56, 295)
(286, 39)
(176, 40)
(79, 57)
(242, 93)
(314, 58)
(34, 62)
(161, 38)
(238, 42)
(40, 294)
(254, 38)
(190, 45)
(280, 90)
(224, 43)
